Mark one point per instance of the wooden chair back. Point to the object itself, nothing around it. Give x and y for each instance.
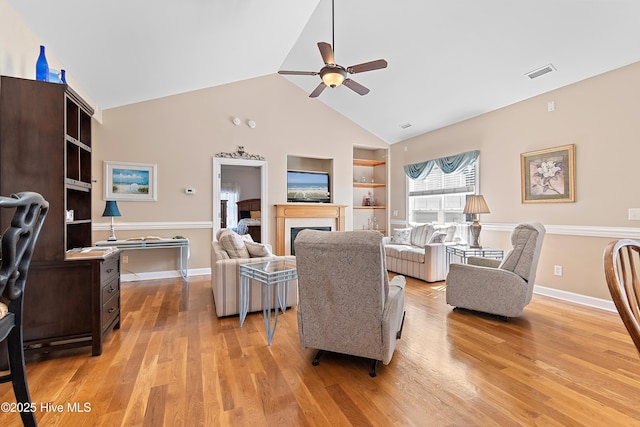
(622, 272)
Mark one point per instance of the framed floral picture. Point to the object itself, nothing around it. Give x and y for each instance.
(130, 181)
(548, 175)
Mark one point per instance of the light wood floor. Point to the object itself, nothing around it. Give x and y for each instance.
(173, 363)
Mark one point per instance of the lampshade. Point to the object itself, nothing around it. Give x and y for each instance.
(111, 209)
(333, 75)
(476, 205)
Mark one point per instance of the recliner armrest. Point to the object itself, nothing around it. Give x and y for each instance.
(484, 262)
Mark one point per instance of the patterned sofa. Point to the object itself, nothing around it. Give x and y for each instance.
(228, 251)
(420, 251)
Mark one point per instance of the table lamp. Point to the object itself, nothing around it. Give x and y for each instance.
(476, 205)
(111, 210)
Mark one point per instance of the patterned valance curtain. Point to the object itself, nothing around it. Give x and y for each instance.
(447, 164)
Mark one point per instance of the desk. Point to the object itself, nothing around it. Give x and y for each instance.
(464, 252)
(181, 244)
(272, 274)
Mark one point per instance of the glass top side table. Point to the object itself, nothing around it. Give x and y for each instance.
(274, 276)
(463, 252)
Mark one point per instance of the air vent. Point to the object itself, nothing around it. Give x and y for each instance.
(405, 125)
(541, 71)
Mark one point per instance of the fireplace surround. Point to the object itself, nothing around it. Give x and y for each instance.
(306, 215)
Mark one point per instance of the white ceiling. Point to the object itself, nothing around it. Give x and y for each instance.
(448, 60)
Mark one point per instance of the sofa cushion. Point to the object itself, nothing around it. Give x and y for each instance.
(406, 252)
(420, 234)
(401, 236)
(257, 249)
(234, 244)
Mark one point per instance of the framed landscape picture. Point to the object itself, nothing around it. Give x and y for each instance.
(130, 181)
(548, 175)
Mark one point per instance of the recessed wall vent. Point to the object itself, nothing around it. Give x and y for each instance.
(541, 71)
(405, 125)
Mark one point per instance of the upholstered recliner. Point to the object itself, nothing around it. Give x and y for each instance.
(228, 251)
(346, 303)
(498, 287)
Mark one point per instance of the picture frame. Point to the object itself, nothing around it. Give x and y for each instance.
(548, 176)
(136, 182)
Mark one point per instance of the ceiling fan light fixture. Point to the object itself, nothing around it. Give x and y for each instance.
(333, 75)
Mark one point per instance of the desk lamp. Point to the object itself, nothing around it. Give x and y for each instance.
(476, 205)
(111, 210)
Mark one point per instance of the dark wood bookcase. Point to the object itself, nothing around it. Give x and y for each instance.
(45, 146)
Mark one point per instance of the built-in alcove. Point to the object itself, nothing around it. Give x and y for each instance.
(311, 164)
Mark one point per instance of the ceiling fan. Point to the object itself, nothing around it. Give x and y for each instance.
(334, 75)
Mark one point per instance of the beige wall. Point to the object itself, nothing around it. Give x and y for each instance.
(599, 116)
(182, 133)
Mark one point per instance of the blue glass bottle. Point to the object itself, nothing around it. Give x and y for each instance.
(63, 77)
(42, 67)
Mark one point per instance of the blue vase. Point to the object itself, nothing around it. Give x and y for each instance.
(63, 77)
(42, 67)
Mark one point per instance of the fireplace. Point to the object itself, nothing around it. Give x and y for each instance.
(305, 215)
(296, 230)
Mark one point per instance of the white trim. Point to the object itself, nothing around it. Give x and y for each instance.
(152, 275)
(575, 298)
(216, 178)
(174, 225)
(565, 230)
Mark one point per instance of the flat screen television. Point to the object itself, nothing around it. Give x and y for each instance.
(308, 186)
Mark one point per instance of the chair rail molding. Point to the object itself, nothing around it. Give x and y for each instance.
(566, 230)
(168, 225)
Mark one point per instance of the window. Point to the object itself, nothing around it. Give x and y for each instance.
(441, 197)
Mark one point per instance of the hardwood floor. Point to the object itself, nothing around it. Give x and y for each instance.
(173, 363)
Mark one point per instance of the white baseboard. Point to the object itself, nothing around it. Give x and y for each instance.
(152, 275)
(575, 298)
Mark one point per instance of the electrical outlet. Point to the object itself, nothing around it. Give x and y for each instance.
(634, 214)
(125, 259)
(557, 270)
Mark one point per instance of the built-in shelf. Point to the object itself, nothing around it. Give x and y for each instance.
(370, 207)
(368, 185)
(367, 162)
(370, 182)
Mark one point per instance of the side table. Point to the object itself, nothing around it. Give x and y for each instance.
(463, 252)
(274, 276)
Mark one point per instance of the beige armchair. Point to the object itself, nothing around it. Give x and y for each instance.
(346, 303)
(504, 287)
(225, 276)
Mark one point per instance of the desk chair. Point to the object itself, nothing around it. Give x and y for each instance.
(18, 242)
(621, 269)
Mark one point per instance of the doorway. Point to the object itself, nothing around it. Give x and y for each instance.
(220, 164)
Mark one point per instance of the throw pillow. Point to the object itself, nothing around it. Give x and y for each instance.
(257, 250)
(254, 214)
(437, 237)
(401, 236)
(449, 230)
(233, 244)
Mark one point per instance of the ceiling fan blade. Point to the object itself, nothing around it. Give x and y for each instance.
(318, 90)
(355, 86)
(298, 73)
(327, 52)
(367, 66)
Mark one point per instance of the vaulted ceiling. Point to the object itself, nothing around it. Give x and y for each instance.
(448, 60)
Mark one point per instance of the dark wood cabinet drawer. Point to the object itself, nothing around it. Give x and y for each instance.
(110, 310)
(109, 269)
(110, 290)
